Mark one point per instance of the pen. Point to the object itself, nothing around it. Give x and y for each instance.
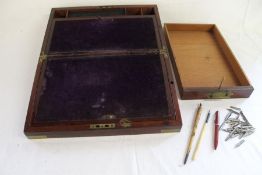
(193, 132)
(201, 136)
(216, 131)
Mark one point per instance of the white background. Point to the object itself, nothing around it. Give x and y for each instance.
(22, 27)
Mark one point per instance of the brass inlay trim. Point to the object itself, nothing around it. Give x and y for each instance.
(37, 137)
(169, 130)
(124, 122)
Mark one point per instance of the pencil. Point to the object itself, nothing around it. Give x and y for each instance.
(216, 131)
(202, 133)
(193, 132)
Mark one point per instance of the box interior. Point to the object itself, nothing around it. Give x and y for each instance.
(103, 34)
(100, 64)
(203, 58)
(100, 11)
(94, 87)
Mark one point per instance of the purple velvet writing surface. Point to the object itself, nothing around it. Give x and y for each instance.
(103, 34)
(130, 86)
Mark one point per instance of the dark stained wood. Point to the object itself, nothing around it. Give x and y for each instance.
(171, 123)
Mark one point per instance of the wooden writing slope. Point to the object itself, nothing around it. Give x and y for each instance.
(103, 71)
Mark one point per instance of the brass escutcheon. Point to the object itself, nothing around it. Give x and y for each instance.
(219, 94)
(102, 126)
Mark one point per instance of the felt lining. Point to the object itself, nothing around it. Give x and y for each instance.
(103, 34)
(130, 86)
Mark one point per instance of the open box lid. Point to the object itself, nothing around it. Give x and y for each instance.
(203, 64)
(102, 29)
(101, 34)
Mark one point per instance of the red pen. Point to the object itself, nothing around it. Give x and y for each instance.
(216, 131)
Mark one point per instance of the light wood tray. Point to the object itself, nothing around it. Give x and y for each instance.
(204, 65)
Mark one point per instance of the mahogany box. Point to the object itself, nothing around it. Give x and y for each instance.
(103, 71)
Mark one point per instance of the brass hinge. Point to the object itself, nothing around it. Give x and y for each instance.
(42, 57)
(163, 52)
(159, 51)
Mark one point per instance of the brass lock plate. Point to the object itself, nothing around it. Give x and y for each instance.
(102, 126)
(219, 95)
